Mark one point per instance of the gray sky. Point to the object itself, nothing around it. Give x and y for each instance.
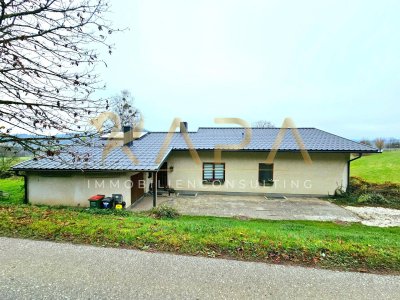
(333, 65)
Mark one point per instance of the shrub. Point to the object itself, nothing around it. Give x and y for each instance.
(340, 192)
(389, 190)
(6, 174)
(372, 198)
(164, 212)
(367, 193)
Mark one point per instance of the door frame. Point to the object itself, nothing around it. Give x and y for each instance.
(136, 191)
(162, 180)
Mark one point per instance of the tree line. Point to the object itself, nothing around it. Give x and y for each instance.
(382, 143)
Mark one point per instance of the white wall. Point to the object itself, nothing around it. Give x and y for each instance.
(291, 174)
(75, 189)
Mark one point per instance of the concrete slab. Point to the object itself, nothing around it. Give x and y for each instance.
(254, 207)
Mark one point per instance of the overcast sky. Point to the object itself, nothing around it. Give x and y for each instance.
(333, 65)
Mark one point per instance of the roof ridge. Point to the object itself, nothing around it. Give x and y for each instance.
(257, 127)
(149, 132)
(219, 127)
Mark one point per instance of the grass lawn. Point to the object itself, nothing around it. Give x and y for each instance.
(15, 187)
(323, 244)
(378, 168)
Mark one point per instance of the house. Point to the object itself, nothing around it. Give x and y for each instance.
(288, 161)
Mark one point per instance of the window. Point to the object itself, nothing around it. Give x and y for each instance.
(266, 174)
(213, 172)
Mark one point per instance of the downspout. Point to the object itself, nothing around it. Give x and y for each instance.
(25, 186)
(348, 169)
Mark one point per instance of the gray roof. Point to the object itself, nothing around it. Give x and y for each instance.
(146, 149)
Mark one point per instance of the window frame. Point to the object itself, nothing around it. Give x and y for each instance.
(213, 179)
(270, 181)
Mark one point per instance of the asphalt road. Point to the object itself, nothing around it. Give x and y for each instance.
(46, 270)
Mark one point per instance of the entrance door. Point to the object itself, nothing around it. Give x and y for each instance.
(163, 176)
(137, 190)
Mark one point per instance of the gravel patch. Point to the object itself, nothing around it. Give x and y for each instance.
(377, 216)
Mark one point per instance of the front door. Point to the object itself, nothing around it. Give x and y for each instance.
(163, 176)
(137, 190)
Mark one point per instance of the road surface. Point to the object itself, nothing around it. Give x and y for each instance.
(47, 270)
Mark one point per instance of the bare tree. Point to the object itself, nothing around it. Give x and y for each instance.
(49, 53)
(366, 142)
(379, 143)
(263, 124)
(123, 105)
(392, 143)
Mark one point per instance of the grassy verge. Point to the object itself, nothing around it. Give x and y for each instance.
(378, 168)
(321, 244)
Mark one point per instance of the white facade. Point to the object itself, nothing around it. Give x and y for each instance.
(291, 175)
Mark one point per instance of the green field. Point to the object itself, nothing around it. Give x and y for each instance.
(379, 168)
(15, 187)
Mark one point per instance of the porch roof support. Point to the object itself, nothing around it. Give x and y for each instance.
(155, 184)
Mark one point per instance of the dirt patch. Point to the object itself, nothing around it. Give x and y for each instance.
(377, 216)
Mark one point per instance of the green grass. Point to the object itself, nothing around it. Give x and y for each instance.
(7, 162)
(323, 244)
(22, 158)
(378, 168)
(15, 187)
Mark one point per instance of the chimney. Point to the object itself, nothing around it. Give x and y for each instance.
(183, 126)
(128, 135)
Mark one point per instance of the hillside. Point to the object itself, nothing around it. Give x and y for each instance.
(378, 168)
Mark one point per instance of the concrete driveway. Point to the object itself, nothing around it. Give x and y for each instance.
(253, 207)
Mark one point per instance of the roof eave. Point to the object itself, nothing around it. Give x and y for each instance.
(286, 150)
(86, 170)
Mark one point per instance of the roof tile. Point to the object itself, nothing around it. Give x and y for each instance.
(147, 148)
